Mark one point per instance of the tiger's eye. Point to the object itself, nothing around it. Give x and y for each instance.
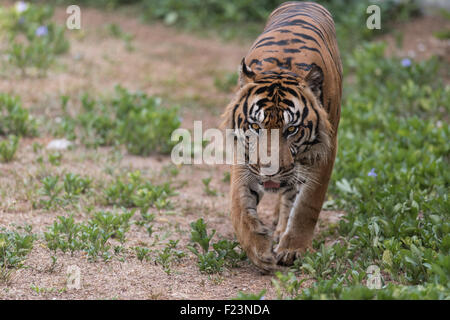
(255, 126)
(291, 129)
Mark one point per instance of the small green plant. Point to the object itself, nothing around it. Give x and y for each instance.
(14, 248)
(56, 194)
(75, 185)
(116, 225)
(224, 253)
(442, 34)
(116, 31)
(50, 191)
(14, 119)
(143, 124)
(136, 120)
(226, 177)
(208, 190)
(250, 296)
(168, 255)
(133, 191)
(227, 82)
(33, 39)
(55, 158)
(142, 253)
(287, 286)
(63, 235)
(8, 148)
(92, 237)
(200, 235)
(230, 252)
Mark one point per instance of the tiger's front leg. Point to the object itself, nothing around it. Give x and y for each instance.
(254, 237)
(298, 235)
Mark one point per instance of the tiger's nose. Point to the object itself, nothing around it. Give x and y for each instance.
(270, 171)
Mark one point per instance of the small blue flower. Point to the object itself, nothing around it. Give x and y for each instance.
(21, 20)
(406, 62)
(42, 31)
(21, 6)
(372, 173)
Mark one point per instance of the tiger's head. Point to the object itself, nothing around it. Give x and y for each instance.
(289, 106)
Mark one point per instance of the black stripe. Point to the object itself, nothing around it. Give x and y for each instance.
(307, 37)
(272, 43)
(304, 66)
(263, 39)
(254, 61)
(255, 194)
(291, 50)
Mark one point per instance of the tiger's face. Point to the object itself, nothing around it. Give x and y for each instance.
(289, 114)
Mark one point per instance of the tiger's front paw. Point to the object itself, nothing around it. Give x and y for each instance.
(289, 249)
(258, 246)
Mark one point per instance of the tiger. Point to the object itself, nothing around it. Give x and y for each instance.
(290, 81)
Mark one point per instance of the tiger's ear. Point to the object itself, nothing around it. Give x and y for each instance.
(246, 75)
(314, 80)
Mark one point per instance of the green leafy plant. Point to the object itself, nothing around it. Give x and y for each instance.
(142, 253)
(55, 158)
(116, 31)
(133, 191)
(287, 286)
(208, 190)
(14, 248)
(227, 82)
(136, 120)
(168, 255)
(56, 194)
(8, 148)
(14, 119)
(92, 237)
(33, 39)
(143, 125)
(250, 296)
(224, 253)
